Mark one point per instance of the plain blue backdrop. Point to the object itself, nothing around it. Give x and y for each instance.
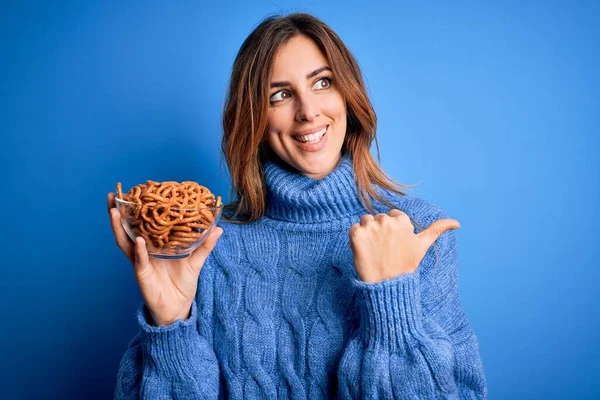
(492, 107)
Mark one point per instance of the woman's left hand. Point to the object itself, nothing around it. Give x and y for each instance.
(385, 245)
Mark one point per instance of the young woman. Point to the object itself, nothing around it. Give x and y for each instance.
(325, 280)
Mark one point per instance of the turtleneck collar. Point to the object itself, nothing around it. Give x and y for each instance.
(293, 197)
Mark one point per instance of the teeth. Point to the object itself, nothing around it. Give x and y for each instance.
(313, 137)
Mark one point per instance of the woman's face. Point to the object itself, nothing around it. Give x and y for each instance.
(307, 114)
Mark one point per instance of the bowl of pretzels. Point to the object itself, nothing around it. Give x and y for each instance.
(174, 218)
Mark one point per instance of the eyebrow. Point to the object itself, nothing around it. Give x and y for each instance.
(311, 75)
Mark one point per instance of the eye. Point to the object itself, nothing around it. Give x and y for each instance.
(323, 83)
(279, 96)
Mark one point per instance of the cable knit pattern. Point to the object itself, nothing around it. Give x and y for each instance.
(298, 291)
(262, 249)
(228, 305)
(280, 311)
(335, 320)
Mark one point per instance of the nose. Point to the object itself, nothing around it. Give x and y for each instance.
(308, 108)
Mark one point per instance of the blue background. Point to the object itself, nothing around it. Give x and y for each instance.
(491, 106)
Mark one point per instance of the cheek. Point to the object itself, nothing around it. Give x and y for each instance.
(335, 107)
(279, 118)
(274, 130)
(271, 120)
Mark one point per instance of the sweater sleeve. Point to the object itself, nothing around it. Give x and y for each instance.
(172, 361)
(406, 347)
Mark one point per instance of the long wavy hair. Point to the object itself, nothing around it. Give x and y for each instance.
(246, 110)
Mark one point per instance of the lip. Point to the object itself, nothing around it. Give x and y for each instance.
(312, 147)
(309, 131)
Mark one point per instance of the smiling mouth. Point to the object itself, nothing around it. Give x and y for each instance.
(313, 137)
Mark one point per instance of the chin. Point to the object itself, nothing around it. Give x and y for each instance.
(319, 168)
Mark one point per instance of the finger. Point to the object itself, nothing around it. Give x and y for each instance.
(400, 215)
(366, 218)
(403, 218)
(379, 216)
(142, 261)
(436, 229)
(352, 232)
(120, 235)
(201, 253)
(394, 212)
(110, 201)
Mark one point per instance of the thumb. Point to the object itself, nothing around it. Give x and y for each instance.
(141, 256)
(435, 230)
(201, 253)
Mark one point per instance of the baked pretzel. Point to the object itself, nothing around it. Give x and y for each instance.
(169, 215)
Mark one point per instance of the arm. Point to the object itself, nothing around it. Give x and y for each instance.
(168, 361)
(413, 347)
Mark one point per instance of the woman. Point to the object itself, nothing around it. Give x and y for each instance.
(320, 285)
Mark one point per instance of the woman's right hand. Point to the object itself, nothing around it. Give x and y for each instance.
(168, 286)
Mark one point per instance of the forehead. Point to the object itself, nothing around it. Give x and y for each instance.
(298, 57)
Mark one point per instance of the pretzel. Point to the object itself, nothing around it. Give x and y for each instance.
(169, 214)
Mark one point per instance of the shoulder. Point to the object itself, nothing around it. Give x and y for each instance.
(422, 213)
(243, 241)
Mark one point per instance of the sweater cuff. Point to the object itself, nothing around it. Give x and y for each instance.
(172, 350)
(390, 312)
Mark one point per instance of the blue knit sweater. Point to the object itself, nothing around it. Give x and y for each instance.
(281, 313)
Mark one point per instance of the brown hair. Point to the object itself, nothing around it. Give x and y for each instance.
(247, 105)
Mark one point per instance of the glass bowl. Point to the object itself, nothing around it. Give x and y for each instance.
(169, 232)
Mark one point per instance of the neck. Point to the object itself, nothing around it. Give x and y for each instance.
(298, 198)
